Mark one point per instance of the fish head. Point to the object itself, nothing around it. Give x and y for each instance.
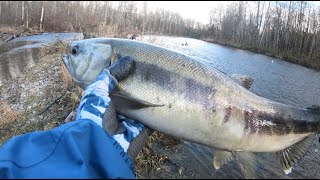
(85, 60)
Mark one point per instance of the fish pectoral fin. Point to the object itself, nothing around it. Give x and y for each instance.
(248, 164)
(243, 80)
(291, 155)
(130, 102)
(221, 158)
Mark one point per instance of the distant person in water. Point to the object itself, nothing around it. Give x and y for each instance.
(98, 144)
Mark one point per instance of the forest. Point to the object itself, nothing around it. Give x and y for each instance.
(283, 29)
(115, 18)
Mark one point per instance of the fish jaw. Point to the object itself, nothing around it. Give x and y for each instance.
(66, 62)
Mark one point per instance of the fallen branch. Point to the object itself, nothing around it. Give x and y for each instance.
(10, 38)
(55, 101)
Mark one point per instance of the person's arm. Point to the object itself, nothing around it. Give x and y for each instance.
(79, 149)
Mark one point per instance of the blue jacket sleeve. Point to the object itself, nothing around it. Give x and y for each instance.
(79, 149)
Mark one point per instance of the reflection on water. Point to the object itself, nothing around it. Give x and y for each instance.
(20, 54)
(274, 79)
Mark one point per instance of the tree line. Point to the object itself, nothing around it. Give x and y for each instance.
(284, 29)
(119, 18)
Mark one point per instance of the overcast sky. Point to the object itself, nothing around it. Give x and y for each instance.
(196, 10)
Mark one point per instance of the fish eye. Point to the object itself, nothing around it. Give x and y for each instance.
(75, 49)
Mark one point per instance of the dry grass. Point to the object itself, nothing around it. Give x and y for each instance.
(112, 31)
(14, 123)
(149, 163)
(19, 31)
(104, 30)
(8, 29)
(65, 76)
(7, 115)
(58, 49)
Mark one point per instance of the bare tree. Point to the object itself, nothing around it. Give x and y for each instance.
(27, 17)
(41, 18)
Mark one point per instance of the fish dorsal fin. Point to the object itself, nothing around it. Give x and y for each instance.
(247, 162)
(221, 158)
(314, 108)
(128, 101)
(243, 80)
(291, 155)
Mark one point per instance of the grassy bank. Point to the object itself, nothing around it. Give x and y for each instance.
(309, 62)
(26, 99)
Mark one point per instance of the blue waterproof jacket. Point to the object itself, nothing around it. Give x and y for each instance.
(78, 149)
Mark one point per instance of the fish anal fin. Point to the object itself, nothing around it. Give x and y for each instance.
(138, 142)
(243, 80)
(128, 101)
(248, 164)
(221, 158)
(111, 123)
(291, 155)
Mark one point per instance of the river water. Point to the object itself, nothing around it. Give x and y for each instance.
(273, 78)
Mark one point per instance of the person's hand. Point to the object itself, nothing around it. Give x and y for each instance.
(131, 135)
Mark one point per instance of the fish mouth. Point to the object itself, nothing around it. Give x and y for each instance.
(66, 62)
(64, 58)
